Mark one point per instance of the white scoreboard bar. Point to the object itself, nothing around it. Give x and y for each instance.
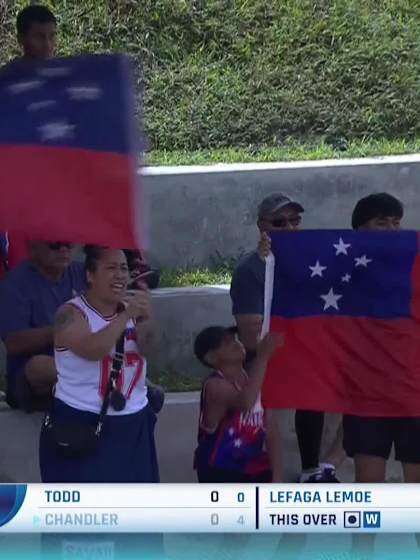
(205, 508)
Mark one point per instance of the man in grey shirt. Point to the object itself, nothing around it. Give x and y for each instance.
(278, 212)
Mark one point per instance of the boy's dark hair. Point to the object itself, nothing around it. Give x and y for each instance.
(210, 339)
(33, 14)
(378, 205)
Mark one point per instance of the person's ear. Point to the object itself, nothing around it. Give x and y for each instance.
(210, 357)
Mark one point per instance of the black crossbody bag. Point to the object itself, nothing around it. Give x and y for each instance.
(75, 438)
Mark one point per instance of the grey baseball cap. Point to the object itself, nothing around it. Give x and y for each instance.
(275, 202)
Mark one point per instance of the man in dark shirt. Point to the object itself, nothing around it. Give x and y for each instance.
(278, 212)
(30, 295)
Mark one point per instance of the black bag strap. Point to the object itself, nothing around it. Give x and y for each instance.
(116, 368)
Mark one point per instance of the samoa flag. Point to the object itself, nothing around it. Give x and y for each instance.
(348, 304)
(68, 150)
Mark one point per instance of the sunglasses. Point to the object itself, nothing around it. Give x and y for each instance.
(284, 222)
(56, 245)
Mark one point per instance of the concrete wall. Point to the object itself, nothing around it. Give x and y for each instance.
(196, 212)
(181, 313)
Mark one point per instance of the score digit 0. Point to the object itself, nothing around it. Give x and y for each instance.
(214, 496)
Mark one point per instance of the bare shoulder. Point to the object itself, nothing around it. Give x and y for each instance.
(217, 387)
(66, 315)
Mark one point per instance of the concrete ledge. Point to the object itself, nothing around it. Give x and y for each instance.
(197, 212)
(264, 166)
(193, 291)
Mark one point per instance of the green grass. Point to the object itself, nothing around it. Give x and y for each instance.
(175, 382)
(293, 151)
(222, 74)
(218, 272)
(196, 277)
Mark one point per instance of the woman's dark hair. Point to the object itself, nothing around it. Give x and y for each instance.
(378, 205)
(33, 14)
(93, 254)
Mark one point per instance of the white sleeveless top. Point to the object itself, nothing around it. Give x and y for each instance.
(81, 383)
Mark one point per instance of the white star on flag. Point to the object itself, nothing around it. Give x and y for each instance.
(81, 93)
(362, 261)
(37, 105)
(231, 431)
(28, 85)
(341, 247)
(346, 278)
(331, 299)
(56, 130)
(237, 442)
(54, 71)
(317, 269)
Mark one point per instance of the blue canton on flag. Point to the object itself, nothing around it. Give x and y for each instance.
(362, 274)
(69, 102)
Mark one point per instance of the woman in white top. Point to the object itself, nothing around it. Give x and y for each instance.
(86, 332)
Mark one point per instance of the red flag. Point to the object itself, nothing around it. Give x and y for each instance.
(349, 306)
(68, 151)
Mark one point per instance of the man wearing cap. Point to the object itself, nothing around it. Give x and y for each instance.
(278, 212)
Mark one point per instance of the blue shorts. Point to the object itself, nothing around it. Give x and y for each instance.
(126, 450)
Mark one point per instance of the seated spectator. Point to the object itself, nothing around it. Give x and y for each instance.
(30, 295)
(141, 271)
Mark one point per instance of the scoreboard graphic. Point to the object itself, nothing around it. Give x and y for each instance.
(199, 508)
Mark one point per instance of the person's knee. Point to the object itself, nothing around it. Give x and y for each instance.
(41, 373)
